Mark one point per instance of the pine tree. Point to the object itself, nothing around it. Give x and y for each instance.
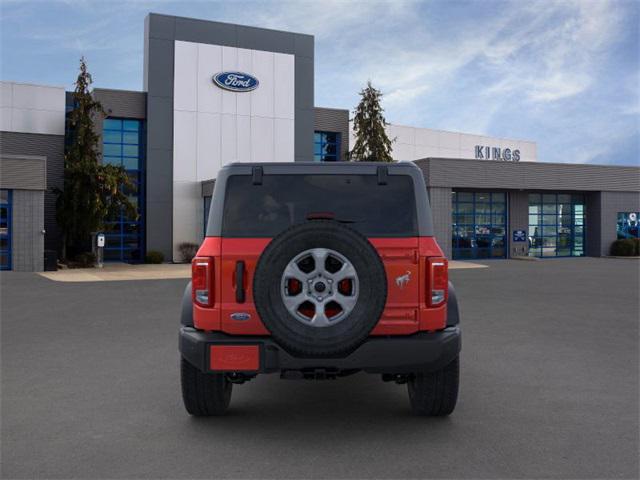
(92, 191)
(371, 141)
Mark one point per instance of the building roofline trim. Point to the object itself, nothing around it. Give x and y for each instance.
(227, 23)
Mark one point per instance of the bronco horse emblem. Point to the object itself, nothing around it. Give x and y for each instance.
(402, 280)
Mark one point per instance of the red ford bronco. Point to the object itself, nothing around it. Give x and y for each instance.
(320, 271)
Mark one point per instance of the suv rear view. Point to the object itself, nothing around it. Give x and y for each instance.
(320, 271)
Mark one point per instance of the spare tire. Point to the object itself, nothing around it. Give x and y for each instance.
(320, 288)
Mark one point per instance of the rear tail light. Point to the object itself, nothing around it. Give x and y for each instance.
(201, 281)
(438, 281)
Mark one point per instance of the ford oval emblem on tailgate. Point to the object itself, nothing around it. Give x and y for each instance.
(240, 316)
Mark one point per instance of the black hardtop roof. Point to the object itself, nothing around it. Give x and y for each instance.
(382, 169)
(324, 167)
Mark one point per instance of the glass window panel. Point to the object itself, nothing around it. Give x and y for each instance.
(484, 219)
(534, 209)
(549, 219)
(577, 198)
(549, 230)
(495, 230)
(317, 149)
(498, 197)
(130, 151)
(112, 124)
(483, 197)
(497, 252)
(131, 228)
(564, 198)
(131, 125)
(111, 136)
(131, 138)
(317, 137)
(465, 219)
(499, 219)
(111, 227)
(578, 229)
(534, 219)
(498, 208)
(317, 158)
(114, 150)
(4, 196)
(4, 243)
(454, 196)
(465, 207)
(549, 198)
(534, 198)
(465, 197)
(564, 252)
(565, 220)
(130, 163)
(112, 160)
(113, 254)
(565, 209)
(130, 241)
(564, 240)
(330, 137)
(483, 208)
(463, 253)
(329, 149)
(483, 253)
(112, 241)
(549, 208)
(534, 230)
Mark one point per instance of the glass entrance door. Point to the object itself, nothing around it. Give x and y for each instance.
(479, 224)
(5, 229)
(556, 225)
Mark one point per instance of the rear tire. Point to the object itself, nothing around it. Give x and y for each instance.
(434, 394)
(204, 394)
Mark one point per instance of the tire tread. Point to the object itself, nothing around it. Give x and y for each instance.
(435, 394)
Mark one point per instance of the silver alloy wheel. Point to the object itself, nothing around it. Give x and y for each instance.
(320, 288)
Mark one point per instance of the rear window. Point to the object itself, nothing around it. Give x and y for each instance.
(284, 200)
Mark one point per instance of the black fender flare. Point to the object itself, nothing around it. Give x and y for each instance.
(186, 312)
(453, 312)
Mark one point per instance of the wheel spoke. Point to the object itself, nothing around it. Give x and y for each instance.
(292, 304)
(319, 257)
(293, 271)
(320, 318)
(347, 302)
(346, 271)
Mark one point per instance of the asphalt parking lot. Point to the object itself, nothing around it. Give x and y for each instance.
(549, 388)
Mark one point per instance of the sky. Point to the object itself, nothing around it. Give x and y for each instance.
(565, 74)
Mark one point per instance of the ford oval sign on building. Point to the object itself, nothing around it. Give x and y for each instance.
(236, 81)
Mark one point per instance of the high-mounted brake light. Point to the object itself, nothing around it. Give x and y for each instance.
(201, 281)
(437, 281)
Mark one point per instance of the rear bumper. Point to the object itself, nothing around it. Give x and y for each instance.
(389, 354)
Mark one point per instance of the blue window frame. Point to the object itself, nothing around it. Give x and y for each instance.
(326, 147)
(123, 145)
(556, 225)
(479, 224)
(5, 229)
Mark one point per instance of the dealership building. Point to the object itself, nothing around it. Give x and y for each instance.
(217, 93)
